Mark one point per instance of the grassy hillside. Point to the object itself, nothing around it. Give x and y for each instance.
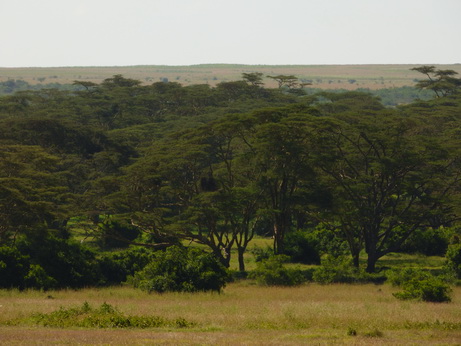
(321, 76)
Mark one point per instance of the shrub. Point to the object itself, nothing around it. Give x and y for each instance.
(398, 277)
(44, 261)
(335, 270)
(117, 266)
(429, 242)
(68, 263)
(106, 316)
(272, 272)
(261, 254)
(116, 234)
(330, 241)
(37, 277)
(14, 266)
(351, 331)
(181, 270)
(302, 247)
(453, 260)
(420, 285)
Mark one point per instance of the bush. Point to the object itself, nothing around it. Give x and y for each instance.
(106, 316)
(41, 260)
(419, 285)
(67, 263)
(261, 254)
(302, 247)
(330, 242)
(398, 277)
(429, 242)
(116, 234)
(334, 270)
(453, 260)
(37, 277)
(272, 272)
(117, 266)
(181, 269)
(14, 266)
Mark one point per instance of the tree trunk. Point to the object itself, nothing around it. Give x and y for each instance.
(371, 263)
(223, 256)
(355, 259)
(241, 251)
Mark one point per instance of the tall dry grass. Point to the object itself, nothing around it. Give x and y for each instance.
(245, 313)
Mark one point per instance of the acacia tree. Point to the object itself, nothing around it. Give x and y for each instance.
(189, 187)
(253, 78)
(386, 179)
(290, 82)
(441, 82)
(32, 193)
(281, 153)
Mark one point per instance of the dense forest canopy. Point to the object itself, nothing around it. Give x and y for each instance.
(157, 165)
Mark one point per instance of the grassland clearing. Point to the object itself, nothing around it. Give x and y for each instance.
(243, 314)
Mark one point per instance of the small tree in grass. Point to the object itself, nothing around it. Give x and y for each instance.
(272, 272)
(420, 285)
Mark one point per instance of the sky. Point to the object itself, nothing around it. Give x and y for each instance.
(52, 33)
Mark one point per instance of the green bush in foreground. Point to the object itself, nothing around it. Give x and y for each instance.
(106, 316)
(419, 285)
(272, 272)
(179, 269)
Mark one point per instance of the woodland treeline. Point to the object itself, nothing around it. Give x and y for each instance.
(132, 166)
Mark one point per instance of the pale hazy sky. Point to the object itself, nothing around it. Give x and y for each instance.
(187, 32)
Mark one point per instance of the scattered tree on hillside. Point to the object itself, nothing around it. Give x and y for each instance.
(441, 82)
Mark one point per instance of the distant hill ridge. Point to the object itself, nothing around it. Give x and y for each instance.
(321, 76)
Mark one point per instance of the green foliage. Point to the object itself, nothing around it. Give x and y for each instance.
(106, 316)
(68, 263)
(398, 277)
(351, 331)
(14, 267)
(181, 269)
(429, 242)
(375, 333)
(453, 260)
(12, 86)
(117, 266)
(302, 247)
(340, 270)
(329, 241)
(261, 253)
(38, 278)
(213, 165)
(441, 82)
(273, 272)
(420, 285)
(334, 270)
(115, 234)
(44, 261)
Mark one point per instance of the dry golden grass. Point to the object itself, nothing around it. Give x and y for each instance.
(322, 76)
(245, 314)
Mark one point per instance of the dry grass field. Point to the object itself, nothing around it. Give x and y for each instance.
(322, 76)
(244, 314)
